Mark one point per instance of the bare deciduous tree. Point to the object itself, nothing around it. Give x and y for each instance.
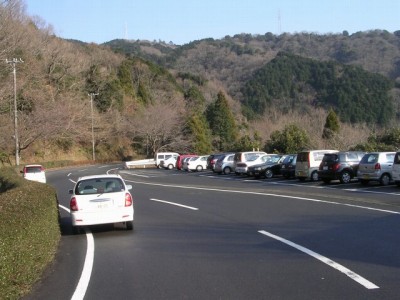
(158, 127)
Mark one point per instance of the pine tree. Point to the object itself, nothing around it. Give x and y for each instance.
(200, 134)
(222, 123)
(331, 126)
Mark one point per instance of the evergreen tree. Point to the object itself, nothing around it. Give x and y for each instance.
(198, 130)
(331, 126)
(222, 123)
(290, 140)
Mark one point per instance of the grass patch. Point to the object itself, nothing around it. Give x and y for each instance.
(29, 232)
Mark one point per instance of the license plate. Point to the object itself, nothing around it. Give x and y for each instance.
(325, 167)
(102, 206)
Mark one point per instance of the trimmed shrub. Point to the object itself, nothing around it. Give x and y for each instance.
(29, 232)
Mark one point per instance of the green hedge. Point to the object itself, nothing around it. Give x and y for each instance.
(29, 232)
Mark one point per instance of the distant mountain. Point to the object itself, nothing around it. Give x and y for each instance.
(237, 62)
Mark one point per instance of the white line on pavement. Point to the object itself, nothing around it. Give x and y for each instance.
(268, 194)
(83, 283)
(173, 203)
(361, 280)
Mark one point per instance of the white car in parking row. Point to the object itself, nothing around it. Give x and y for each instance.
(196, 163)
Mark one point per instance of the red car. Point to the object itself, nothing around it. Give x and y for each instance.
(180, 159)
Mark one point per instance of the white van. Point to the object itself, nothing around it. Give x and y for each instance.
(308, 162)
(164, 156)
(396, 169)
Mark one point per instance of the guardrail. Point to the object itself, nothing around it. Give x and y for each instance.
(140, 164)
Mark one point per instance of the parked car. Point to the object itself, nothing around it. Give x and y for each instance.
(101, 199)
(268, 169)
(197, 163)
(241, 160)
(376, 166)
(341, 166)
(163, 156)
(212, 159)
(307, 164)
(396, 169)
(242, 167)
(34, 173)
(224, 164)
(179, 161)
(288, 166)
(169, 163)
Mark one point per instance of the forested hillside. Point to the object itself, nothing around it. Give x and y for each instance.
(232, 60)
(208, 95)
(290, 82)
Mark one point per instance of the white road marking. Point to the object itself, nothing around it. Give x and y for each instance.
(305, 184)
(173, 203)
(361, 280)
(269, 194)
(83, 283)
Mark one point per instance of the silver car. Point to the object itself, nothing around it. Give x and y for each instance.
(224, 164)
(376, 166)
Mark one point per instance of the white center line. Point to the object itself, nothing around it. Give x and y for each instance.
(173, 203)
(361, 280)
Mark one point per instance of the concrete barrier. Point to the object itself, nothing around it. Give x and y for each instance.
(140, 164)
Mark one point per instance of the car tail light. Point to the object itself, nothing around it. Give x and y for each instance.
(377, 166)
(73, 205)
(128, 200)
(335, 167)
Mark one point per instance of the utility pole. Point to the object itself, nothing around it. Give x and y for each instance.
(91, 106)
(13, 62)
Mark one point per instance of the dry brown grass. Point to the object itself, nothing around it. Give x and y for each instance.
(313, 123)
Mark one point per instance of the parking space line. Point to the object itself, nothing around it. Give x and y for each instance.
(361, 280)
(268, 194)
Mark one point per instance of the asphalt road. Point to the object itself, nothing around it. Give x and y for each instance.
(207, 236)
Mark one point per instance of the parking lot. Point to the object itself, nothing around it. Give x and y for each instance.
(353, 192)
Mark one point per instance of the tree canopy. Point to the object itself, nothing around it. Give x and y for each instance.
(292, 82)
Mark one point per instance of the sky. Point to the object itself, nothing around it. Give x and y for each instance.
(184, 21)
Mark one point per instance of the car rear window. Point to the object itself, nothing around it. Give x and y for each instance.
(397, 158)
(99, 186)
(288, 159)
(35, 169)
(330, 157)
(370, 158)
(303, 156)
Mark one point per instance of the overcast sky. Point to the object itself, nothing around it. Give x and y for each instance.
(183, 21)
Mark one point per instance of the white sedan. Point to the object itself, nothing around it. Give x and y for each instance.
(101, 199)
(197, 163)
(34, 173)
